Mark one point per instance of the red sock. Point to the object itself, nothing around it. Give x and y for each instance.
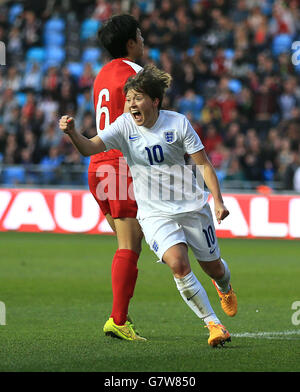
(123, 276)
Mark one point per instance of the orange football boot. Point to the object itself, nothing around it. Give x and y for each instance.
(218, 334)
(228, 301)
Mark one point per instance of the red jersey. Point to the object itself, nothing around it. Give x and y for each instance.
(109, 100)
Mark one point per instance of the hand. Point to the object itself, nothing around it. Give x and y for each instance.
(67, 124)
(221, 212)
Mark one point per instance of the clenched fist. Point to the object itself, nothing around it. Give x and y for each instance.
(221, 212)
(66, 124)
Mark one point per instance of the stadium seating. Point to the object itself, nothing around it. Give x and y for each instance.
(36, 55)
(154, 54)
(13, 175)
(14, 11)
(21, 98)
(229, 53)
(69, 38)
(192, 106)
(54, 39)
(89, 28)
(75, 69)
(86, 162)
(55, 55)
(235, 86)
(55, 25)
(281, 44)
(91, 55)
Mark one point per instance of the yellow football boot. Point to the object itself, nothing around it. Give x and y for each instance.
(125, 331)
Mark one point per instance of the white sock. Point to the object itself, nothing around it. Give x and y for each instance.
(224, 283)
(196, 298)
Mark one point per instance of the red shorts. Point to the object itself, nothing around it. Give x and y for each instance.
(110, 183)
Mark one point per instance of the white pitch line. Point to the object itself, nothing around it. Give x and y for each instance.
(267, 335)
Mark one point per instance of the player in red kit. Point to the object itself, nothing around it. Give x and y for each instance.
(121, 37)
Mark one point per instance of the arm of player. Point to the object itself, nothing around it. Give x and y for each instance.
(84, 145)
(212, 182)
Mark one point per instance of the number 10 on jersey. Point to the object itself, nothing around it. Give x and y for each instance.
(155, 154)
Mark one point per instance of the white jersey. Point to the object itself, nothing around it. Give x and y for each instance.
(163, 184)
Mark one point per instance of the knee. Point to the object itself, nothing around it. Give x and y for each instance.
(181, 272)
(131, 243)
(177, 259)
(136, 245)
(137, 248)
(180, 267)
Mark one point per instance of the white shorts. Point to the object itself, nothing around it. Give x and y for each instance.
(195, 228)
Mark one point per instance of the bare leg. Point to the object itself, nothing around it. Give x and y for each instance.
(215, 269)
(129, 234)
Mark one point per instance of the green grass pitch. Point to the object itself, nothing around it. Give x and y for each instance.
(57, 293)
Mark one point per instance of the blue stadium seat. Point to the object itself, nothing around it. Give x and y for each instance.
(229, 53)
(145, 6)
(55, 24)
(86, 162)
(55, 55)
(21, 98)
(89, 28)
(75, 69)
(14, 11)
(35, 54)
(266, 7)
(80, 99)
(190, 51)
(154, 54)
(191, 106)
(235, 86)
(13, 175)
(281, 44)
(54, 39)
(91, 55)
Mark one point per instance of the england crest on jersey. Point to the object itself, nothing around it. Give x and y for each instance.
(170, 136)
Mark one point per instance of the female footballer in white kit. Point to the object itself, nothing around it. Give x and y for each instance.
(172, 207)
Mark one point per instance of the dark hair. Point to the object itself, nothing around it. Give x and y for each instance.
(151, 81)
(116, 32)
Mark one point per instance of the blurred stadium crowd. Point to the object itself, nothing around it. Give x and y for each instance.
(233, 71)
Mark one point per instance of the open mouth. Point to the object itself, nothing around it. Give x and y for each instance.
(137, 115)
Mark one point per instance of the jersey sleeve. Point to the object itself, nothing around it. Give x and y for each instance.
(191, 141)
(112, 135)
